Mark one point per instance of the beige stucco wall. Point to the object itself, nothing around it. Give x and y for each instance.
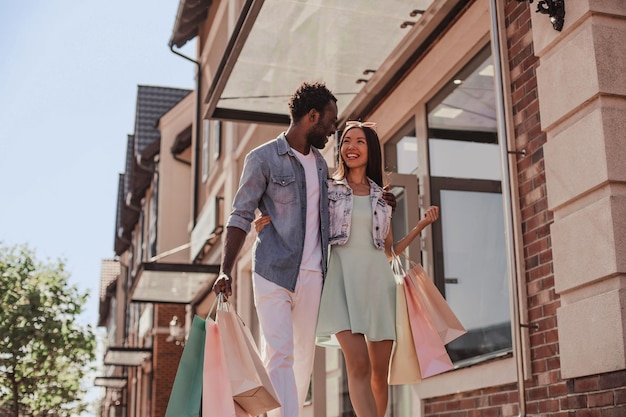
(582, 93)
(175, 196)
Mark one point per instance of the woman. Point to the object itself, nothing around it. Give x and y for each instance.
(358, 298)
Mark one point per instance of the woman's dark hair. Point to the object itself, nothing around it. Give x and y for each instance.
(374, 169)
(309, 96)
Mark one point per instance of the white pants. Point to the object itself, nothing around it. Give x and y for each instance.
(288, 323)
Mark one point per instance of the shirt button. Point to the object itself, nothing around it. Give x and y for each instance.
(376, 227)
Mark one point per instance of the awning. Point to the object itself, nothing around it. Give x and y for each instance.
(165, 283)
(277, 44)
(115, 382)
(126, 356)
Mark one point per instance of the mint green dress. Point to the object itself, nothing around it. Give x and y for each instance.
(359, 292)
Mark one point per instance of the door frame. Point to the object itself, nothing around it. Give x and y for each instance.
(438, 184)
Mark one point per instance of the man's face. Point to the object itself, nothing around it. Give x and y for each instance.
(325, 126)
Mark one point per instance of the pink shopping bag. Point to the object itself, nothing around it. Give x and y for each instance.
(217, 396)
(431, 352)
(251, 386)
(445, 321)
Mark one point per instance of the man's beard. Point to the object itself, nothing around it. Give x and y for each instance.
(317, 139)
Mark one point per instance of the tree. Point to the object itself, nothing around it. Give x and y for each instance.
(44, 352)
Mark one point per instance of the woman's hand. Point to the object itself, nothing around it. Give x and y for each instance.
(430, 216)
(261, 222)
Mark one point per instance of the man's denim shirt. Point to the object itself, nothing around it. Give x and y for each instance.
(273, 181)
(340, 208)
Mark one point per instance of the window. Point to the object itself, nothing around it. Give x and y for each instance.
(217, 139)
(401, 154)
(211, 145)
(465, 181)
(154, 215)
(455, 155)
(206, 138)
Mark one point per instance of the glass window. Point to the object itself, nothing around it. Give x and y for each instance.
(465, 181)
(206, 137)
(461, 159)
(401, 154)
(217, 139)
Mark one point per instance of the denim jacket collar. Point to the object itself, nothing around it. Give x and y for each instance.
(375, 189)
(282, 145)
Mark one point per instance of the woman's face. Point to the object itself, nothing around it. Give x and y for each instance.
(354, 148)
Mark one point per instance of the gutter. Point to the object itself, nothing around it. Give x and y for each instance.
(196, 164)
(504, 125)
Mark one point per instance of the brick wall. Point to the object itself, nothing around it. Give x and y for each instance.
(546, 393)
(488, 402)
(166, 358)
(542, 300)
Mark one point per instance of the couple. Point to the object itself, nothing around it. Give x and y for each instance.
(303, 213)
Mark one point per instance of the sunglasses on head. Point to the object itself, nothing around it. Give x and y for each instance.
(356, 123)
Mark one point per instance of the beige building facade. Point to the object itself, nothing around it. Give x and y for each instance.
(511, 123)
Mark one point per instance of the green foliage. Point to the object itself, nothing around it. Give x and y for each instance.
(44, 352)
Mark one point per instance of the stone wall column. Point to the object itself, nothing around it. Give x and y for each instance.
(581, 82)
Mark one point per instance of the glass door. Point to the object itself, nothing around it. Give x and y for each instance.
(470, 266)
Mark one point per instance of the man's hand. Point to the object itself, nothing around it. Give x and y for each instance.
(389, 197)
(223, 284)
(232, 245)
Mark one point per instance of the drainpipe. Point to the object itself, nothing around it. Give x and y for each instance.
(499, 55)
(194, 214)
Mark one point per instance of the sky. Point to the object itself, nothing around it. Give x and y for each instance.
(68, 84)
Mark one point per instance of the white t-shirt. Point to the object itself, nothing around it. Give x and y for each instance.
(312, 253)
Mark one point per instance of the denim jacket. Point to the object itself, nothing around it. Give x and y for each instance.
(340, 208)
(273, 181)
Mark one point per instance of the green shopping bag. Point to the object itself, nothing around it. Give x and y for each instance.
(186, 395)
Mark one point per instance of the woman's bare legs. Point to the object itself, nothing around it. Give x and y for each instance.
(380, 354)
(357, 358)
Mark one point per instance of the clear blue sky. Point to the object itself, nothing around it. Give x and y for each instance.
(68, 82)
(69, 72)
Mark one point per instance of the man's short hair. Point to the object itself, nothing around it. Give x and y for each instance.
(309, 96)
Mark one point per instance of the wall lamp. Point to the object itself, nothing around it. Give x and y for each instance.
(177, 332)
(553, 8)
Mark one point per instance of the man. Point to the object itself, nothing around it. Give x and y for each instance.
(286, 180)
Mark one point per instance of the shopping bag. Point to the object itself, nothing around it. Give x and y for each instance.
(431, 352)
(251, 386)
(217, 397)
(186, 393)
(447, 324)
(403, 366)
